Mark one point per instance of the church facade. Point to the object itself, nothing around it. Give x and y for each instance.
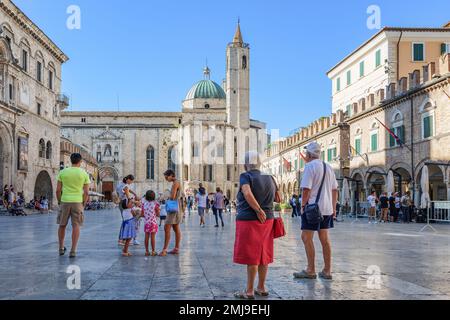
(203, 143)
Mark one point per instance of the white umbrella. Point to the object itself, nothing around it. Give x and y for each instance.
(345, 193)
(390, 183)
(425, 185)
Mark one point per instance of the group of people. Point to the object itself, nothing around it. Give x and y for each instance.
(255, 220)
(218, 203)
(390, 207)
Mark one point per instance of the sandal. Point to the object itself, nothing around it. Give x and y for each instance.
(154, 254)
(243, 296)
(126, 254)
(163, 253)
(261, 293)
(325, 276)
(147, 254)
(304, 275)
(62, 251)
(72, 254)
(175, 251)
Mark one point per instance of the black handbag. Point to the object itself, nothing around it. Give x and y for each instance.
(312, 211)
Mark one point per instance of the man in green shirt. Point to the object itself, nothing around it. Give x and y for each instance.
(72, 193)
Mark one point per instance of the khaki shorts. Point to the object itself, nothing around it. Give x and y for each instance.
(74, 211)
(372, 211)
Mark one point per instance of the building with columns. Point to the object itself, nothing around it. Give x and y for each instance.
(30, 105)
(204, 143)
(416, 107)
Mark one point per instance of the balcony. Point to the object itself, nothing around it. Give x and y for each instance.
(62, 100)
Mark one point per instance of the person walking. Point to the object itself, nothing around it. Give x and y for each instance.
(319, 186)
(254, 237)
(173, 219)
(72, 193)
(218, 205)
(372, 199)
(293, 203)
(384, 205)
(201, 198)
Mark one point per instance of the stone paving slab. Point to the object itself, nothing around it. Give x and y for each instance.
(412, 265)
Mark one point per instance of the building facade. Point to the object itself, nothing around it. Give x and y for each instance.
(204, 143)
(30, 105)
(359, 146)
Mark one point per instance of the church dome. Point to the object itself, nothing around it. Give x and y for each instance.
(206, 89)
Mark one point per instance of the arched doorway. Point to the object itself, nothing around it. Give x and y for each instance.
(43, 187)
(402, 180)
(438, 189)
(357, 187)
(376, 182)
(109, 179)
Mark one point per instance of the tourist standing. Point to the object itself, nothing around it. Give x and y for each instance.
(406, 207)
(392, 209)
(173, 218)
(254, 225)
(372, 200)
(72, 193)
(124, 192)
(398, 205)
(219, 205)
(319, 186)
(151, 210)
(190, 203)
(201, 198)
(384, 205)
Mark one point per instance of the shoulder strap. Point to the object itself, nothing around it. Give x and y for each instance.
(321, 184)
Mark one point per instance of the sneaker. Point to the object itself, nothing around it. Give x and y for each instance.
(136, 243)
(216, 226)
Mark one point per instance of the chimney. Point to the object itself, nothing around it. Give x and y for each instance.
(390, 91)
(402, 85)
(414, 79)
(426, 74)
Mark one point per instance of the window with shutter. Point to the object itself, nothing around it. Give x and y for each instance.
(443, 48)
(361, 69)
(338, 84)
(358, 146)
(378, 58)
(374, 142)
(330, 155)
(418, 52)
(427, 127)
(349, 77)
(392, 142)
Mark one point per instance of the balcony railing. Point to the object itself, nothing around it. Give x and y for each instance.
(62, 99)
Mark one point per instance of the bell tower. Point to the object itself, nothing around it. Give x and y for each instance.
(238, 81)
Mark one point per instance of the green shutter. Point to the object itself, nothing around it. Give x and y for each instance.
(361, 69)
(402, 133)
(374, 142)
(428, 126)
(296, 164)
(391, 138)
(349, 110)
(338, 84)
(418, 51)
(349, 77)
(330, 155)
(443, 48)
(322, 155)
(302, 163)
(358, 146)
(378, 58)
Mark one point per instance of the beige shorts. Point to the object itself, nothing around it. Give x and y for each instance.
(74, 211)
(372, 211)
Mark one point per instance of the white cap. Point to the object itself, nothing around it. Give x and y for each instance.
(314, 149)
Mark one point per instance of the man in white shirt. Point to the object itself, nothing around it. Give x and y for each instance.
(372, 199)
(310, 184)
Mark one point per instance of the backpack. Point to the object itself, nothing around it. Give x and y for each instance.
(115, 197)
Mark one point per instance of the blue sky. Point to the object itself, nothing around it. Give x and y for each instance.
(149, 53)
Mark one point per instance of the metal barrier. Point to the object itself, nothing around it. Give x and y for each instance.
(438, 211)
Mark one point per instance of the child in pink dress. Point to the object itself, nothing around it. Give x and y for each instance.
(150, 210)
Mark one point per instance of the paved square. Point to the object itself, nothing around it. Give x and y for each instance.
(413, 265)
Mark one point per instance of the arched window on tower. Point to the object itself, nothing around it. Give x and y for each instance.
(48, 151)
(244, 62)
(150, 163)
(41, 148)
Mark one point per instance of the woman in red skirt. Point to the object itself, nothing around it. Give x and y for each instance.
(254, 226)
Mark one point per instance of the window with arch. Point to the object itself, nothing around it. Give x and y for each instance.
(398, 129)
(244, 62)
(428, 120)
(41, 148)
(48, 151)
(108, 151)
(171, 156)
(374, 137)
(150, 161)
(39, 66)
